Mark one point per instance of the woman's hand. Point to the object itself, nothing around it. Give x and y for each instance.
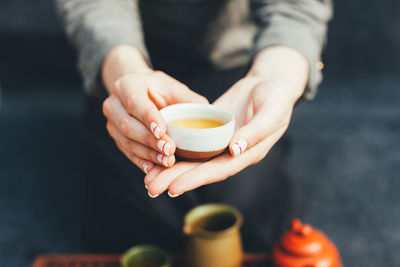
(134, 120)
(262, 105)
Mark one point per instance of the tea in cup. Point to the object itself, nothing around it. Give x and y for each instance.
(200, 131)
(197, 123)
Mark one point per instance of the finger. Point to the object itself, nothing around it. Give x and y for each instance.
(133, 93)
(265, 122)
(215, 170)
(161, 181)
(222, 167)
(145, 165)
(152, 174)
(138, 149)
(134, 129)
(177, 91)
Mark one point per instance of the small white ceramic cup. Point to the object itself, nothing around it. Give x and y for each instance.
(199, 144)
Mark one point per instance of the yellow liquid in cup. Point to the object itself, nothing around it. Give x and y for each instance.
(197, 123)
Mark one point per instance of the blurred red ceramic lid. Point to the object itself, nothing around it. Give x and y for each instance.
(304, 246)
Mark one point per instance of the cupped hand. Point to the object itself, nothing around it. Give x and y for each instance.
(262, 109)
(134, 120)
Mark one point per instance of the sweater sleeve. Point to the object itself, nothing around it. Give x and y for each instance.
(299, 24)
(95, 27)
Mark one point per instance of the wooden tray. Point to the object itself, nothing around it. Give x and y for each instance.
(112, 260)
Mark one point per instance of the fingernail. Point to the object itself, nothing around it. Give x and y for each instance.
(145, 168)
(173, 195)
(145, 186)
(162, 159)
(239, 147)
(236, 150)
(242, 144)
(164, 147)
(150, 195)
(155, 129)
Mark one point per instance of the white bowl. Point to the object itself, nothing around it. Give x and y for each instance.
(199, 144)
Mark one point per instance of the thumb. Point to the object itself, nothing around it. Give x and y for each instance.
(132, 93)
(263, 124)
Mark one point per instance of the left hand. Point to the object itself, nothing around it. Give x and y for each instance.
(262, 108)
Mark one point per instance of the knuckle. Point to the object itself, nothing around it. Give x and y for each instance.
(124, 79)
(124, 127)
(257, 160)
(129, 78)
(203, 99)
(283, 124)
(260, 157)
(106, 106)
(280, 119)
(148, 113)
(183, 86)
(130, 105)
(123, 82)
(116, 83)
(286, 122)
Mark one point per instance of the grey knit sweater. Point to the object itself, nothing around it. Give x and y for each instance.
(178, 35)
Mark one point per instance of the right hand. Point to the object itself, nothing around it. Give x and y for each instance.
(134, 120)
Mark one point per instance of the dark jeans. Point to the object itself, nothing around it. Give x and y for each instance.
(120, 214)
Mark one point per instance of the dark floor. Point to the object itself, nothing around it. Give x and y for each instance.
(346, 156)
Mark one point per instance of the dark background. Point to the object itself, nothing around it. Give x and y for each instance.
(346, 151)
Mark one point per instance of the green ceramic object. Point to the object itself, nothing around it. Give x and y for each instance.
(213, 232)
(146, 256)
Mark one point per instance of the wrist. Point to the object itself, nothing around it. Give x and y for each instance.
(122, 60)
(284, 66)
